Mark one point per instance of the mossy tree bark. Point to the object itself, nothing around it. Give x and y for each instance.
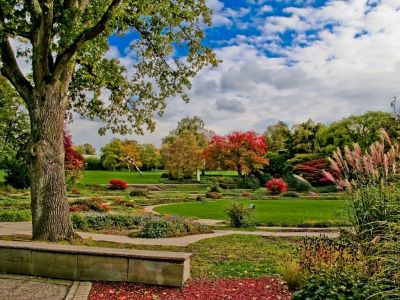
(50, 210)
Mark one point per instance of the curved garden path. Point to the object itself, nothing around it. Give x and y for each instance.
(24, 228)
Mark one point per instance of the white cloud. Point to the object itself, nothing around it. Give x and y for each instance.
(348, 67)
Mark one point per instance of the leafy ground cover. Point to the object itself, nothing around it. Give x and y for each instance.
(239, 289)
(282, 212)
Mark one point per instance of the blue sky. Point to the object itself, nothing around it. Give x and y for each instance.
(284, 60)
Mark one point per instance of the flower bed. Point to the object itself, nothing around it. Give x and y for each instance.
(238, 289)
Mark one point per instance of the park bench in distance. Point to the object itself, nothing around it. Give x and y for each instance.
(94, 263)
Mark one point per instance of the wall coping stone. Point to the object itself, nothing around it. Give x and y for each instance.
(177, 257)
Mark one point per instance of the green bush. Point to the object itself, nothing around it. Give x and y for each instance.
(99, 221)
(15, 215)
(93, 163)
(337, 285)
(17, 174)
(214, 189)
(138, 193)
(249, 182)
(290, 194)
(173, 227)
(239, 216)
(297, 183)
(165, 175)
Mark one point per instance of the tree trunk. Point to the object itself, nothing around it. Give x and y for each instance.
(50, 210)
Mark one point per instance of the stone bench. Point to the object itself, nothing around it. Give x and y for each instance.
(94, 263)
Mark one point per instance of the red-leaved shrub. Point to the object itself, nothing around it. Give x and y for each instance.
(313, 170)
(276, 186)
(117, 184)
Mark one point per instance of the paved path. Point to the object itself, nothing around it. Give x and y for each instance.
(24, 228)
(16, 287)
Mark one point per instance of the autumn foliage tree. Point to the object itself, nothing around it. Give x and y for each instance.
(121, 154)
(73, 160)
(182, 156)
(241, 151)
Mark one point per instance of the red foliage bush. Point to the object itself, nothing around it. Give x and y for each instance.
(312, 170)
(276, 186)
(117, 184)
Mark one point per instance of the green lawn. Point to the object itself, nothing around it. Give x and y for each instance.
(103, 177)
(232, 256)
(282, 212)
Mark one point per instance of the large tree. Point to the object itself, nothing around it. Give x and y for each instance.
(194, 125)
(182, 156)
(66, 44)
(276, 136)
(241, 151)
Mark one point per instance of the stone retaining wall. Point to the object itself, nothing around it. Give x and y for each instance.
(94, 263)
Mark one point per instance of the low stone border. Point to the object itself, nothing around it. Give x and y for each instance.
(79, 290)
(94, 263)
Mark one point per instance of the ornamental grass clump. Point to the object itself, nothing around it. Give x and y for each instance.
(239, 215)
(353, 168)
(364, 263)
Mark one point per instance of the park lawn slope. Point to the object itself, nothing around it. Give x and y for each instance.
(282, 212)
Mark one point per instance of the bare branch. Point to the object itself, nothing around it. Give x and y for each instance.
(12, 72)
(85, 36)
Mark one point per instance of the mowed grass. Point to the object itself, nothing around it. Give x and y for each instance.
(103, 177)
(232, 256)
(282, 212)
(134, 177)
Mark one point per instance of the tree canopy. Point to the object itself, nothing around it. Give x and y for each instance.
(64, 34)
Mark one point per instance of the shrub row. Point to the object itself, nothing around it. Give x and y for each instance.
(15, 215)
(171, 227)
(99, 221)
(149, 227)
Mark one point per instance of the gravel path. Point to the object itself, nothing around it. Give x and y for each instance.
(15, 287)
(24, 228)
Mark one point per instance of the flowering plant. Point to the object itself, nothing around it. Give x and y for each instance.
(276, 186)
(117, 184)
